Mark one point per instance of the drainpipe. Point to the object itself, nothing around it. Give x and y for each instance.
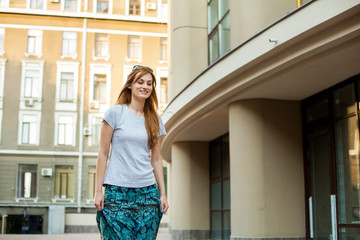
(81, 122)
(3, 224)
(299, 3)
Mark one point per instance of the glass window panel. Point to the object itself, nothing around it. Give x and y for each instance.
(69, 134)
(215, 160)
(28, 87)
(320, 186)
(213, 17)
(226, 225)
(349, 233)
(27, 181)
(31, 44)
(215, 192)
(348, 172)
(225, 157)
(216, 225)
(61, 137)
(64, 182)
(33, 133)
(214, 47)
(226, 194)
(223, 7)
(344, 101)
(224, 33)
(2, 36)
(91, 181)
(25, 133)
(318, 110)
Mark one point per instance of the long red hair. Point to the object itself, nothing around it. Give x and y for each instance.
(150, 106)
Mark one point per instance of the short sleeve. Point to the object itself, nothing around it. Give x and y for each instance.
(109, 117)
(162, 128)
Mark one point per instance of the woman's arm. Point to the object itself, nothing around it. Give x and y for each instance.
(156, 163)
(105, 140)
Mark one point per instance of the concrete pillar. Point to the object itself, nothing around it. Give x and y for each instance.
(266, 167)
(187, 33)
(189, 216)
(56, 220)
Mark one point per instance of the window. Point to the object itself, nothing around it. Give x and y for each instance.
(102, 6)
(101, 45)
(4, 3)
(95, 125)
(99, 87)
(69, 44)
(218, 28)
(64, 182)
(91, 182)
(27, 178)
(65, 129)
(29, 127)
(163, 48)
(134, 47)
(71, 5)
(67, 87)
(220, 188)
(332, 162)
(37, 4)
(31, 85)
(163, 9)
(2, 40)
(34, 42)
(134, 7)
(163, 91)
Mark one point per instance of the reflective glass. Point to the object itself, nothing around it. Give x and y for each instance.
(226, 225)
(216, 225)
(226, 194)
(318, 110)
(348, 172)
(225, 157)
(213, 18)
(349, 233)
(215, 192)
(224, 33)
(344, 101)
(214, 47)
(215, 160)
(223, 7)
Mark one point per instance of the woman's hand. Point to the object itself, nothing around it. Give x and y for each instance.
(99, 200)
(164, 204)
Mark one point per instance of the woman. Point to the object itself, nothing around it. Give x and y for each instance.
(132, 207)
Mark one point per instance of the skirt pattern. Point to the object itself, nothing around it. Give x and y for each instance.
(130, 213)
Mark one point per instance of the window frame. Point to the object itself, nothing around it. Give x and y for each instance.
(20, 191)
(56, 198)
(214, 31)
(78, 6)
(36, 36)
(110, 7)
(73, 117)
(102, 39)
(66, 51)
(134, 46)
(2, 41)
(37, 123)
(101, 69)
(29, 3)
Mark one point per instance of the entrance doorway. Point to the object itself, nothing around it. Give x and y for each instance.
(332, 165)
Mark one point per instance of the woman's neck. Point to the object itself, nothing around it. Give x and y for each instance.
(136, 106)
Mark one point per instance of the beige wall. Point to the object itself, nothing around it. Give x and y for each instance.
(188, 48)
(249, 17)
(267, 177)
(189, 205)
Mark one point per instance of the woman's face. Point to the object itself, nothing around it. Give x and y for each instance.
(143, 87)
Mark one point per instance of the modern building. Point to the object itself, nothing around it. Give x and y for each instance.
(263, 119)
(62, 65)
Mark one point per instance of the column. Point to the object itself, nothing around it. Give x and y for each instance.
(266, 167)
(189, 206)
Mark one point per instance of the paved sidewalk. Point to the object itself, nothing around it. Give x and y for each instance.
(162, 235)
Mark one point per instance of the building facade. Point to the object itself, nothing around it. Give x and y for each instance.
(62, 65)
(263, 129)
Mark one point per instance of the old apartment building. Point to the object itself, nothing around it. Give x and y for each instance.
(62, 64)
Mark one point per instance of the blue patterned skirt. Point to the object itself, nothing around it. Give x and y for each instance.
(130, 213)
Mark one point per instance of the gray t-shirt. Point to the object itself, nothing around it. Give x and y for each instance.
(129, 163)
